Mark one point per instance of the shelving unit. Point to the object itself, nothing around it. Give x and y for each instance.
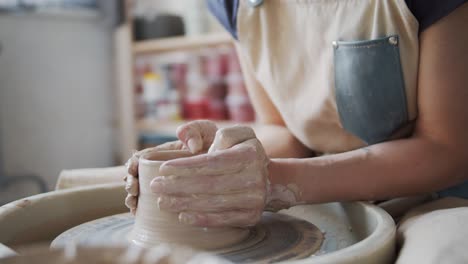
(181, 43)
(125, 51)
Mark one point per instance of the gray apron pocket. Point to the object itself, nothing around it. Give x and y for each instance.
(369, 88)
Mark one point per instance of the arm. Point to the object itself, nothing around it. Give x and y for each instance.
(434, 158)
(270, 125)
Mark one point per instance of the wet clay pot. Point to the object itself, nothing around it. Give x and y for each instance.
(153, 226)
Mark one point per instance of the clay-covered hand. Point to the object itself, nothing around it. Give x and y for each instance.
(196, 136)
(228, 186)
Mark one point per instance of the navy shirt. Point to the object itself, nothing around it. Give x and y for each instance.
(427, 12)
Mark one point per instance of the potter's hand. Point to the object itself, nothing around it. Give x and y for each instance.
(196, 136)
(228, 186)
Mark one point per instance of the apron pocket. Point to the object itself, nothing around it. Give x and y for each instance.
(369, 88)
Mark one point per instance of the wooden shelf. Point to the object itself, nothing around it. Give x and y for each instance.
(181, 43)
(168, 128)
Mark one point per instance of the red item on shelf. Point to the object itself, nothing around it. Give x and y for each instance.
(216, 86)
(237, 100)
(196, 108)
(217, 110)
(178, 75)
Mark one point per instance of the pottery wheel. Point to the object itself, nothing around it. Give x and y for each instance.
(277, 237)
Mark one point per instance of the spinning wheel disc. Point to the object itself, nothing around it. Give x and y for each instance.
(277, 237)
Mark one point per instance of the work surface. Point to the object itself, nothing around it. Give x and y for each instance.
(351, 230)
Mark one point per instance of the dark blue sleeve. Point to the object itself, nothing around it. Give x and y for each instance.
(226, 13)
(427, 12)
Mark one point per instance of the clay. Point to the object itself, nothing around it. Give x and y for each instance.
(282, 197)
(154, 226)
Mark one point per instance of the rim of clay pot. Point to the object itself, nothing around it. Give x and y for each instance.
(158, 157)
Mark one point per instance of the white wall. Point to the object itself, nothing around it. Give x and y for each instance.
(55, 95)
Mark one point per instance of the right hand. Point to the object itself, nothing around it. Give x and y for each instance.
(196, 136)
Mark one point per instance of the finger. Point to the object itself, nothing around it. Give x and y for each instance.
(224, 162)
(131, 201)
(132, 166)
(132, 163)
(223, 219)
(227, 137)
(133, 211)
(213, 203)
(197, 135)
(131, 185)
(206, 184)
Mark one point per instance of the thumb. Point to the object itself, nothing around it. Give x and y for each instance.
(228, 137)
(197, 135)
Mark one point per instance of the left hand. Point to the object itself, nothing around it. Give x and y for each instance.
(196, 136)
(228, 186)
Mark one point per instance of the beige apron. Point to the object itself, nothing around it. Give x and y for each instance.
(310, 55)
(290, 46)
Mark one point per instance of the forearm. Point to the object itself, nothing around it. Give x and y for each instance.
(386, 170)
(278, 142)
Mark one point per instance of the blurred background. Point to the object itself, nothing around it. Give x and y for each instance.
(84, 83)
